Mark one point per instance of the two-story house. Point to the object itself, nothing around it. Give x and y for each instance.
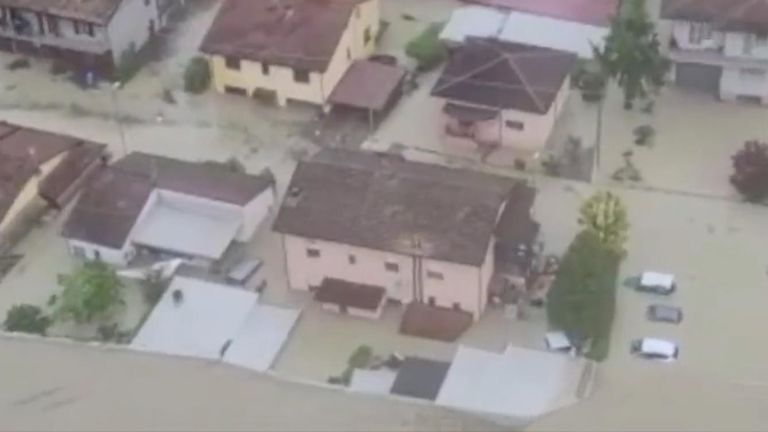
(720, 46)
(289, 49)
(91, 35)
(504, 94)
(359, 228)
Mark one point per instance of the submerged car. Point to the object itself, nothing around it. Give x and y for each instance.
(664, 313)
(558, 341)
(654, 349)
(657, 283)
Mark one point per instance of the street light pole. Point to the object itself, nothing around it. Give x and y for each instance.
(116, 115)
(598, 139)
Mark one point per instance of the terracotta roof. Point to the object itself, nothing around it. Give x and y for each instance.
(359, 296)
(420, 378)
(300, 34)
(596, 12)
(110, 205)
(96, 11)
(72, 171)
(505, 75)
(22, 151)
(724, 14)
(386, 203)
(368, 85)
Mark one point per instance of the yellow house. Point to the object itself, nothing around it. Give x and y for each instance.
(289, 49)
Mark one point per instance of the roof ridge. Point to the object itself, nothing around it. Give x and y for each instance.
(469, 74)
(526, 86)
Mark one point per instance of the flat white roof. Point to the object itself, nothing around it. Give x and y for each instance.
(553, 33)
(182, 230)
(657, 279)
(470, 21)
(261, 337)
(372, 381)
(208, 316)
(520, 383)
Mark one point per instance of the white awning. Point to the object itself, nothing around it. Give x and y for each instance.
(472, 21)
(553, 33)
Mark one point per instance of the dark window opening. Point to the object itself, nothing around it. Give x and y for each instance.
(235, 90)
(352, 259)
(265, 68)
(300, 75)
(432, 301)
(456, 307)
(313, 253)
(76, 27)
(40, 23)
(516, 125)
(367, 36)
(53, 25)
(89, 29)
(392, 267)
(232, 63)
(434, 275)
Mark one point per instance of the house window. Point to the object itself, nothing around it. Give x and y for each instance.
(235, 90)
(313, 253)
(431, 301)
(352, 259)
(40, 22)
(513, 124)
(53, 25)
(89, 29)
(3, 17)
(265, 69)
(78, 252)
(457, 307)
(434, 275)
(367, 36)
(761, 40)
(699, 33)
(349, 54)
(391, 267)
(146, 2)
(301, 75)
(232, 63)
(76, 27)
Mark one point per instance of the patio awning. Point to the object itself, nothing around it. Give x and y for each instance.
(349, 294)
(434, 322)
(469, 113)
(368, 85)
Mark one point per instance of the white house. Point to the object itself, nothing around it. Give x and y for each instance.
(359, 228)
(720, 47)
(146, 203)
(86, 35)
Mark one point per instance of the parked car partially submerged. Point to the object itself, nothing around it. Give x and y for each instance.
(558, 341)
(664, 313)
(246, 274)
(654, 349)
(657, 283)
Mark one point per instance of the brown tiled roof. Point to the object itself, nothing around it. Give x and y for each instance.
(96, 11)
(368, 85)
(505, 75)
(349, 294)
(385, 203)
(724, 14)
(596, 12)
(22, 151)
(436, 323)
(110, 205)
(300, 34)
(72, 170)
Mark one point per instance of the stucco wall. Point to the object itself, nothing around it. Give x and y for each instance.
(280, 79)
(734, 84)
(254, 213)
(28, 194)
(67, 38)
(116, 257)
(460, 283)
(129, 26)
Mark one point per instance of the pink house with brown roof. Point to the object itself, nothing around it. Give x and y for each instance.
(289, 49)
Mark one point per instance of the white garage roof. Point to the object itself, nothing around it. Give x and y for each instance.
(261, 338)
(187, 231)
(468, 21)
(372, 381)
(520, 383)
(209, 315)
(553, 33)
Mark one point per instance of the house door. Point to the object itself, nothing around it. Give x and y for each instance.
(698, 77)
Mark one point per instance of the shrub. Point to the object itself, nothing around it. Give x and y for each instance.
(91, 292)
(25, 318)
(197, 75)
(128, 64)
(426, 48)
(360, 357)
(750, 171)
(605, 216)
(581, 301)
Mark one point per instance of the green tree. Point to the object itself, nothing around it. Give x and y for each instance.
(632, 53)
(426, 48)
(92, 292)
(605, 216)
(197, 75)
(581, 301)
(27, 318)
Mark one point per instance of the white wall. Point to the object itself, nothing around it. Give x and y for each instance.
(681, 31)
(460, 284)
(130, 25)
(734, 83)
(735, 43)
(254, 213)
(116, 257)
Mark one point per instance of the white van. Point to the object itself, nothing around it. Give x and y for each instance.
(655, 349)
(657, 283)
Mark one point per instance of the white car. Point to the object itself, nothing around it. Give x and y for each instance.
(657, 283)
(558, 341)
(655, 349)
